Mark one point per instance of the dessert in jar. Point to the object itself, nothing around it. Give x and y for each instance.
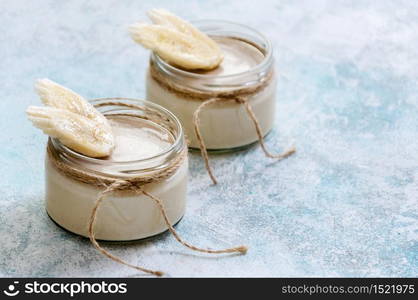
(142, 148)
(217, 77)
(246, 72)
(118, 148)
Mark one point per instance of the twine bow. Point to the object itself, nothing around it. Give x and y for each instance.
(251, 115)
(207, 98)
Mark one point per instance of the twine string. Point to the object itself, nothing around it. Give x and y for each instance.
(240, 249)
(115, 186)
(93, 217)
(257, 126)
(202, 146)
(252, 117)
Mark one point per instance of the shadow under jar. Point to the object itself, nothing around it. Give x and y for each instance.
(149, 140)
(246, 73)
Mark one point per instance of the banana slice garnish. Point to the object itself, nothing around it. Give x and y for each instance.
(68, 117)
(56, 95)
(177, 41)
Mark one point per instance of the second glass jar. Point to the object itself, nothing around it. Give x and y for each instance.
(247, 72)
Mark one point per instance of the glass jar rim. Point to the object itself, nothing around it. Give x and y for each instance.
(267, 51)
(176, 145)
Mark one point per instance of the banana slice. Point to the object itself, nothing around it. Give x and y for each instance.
(55, 95)
(75, 131)
(165, 18)
(70, 118)
(177, 41)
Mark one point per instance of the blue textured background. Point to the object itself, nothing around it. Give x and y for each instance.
(344, 205)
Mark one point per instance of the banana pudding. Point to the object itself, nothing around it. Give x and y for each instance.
(141, 146)
(130, 151)
(216, 77)
(246, 73)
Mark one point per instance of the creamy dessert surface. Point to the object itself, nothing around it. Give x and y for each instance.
(239, 56)
(137, 139)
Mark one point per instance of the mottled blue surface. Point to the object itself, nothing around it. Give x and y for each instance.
(344, 205)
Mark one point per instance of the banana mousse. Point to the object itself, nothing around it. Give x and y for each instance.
(136, 147)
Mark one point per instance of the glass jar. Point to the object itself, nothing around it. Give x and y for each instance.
(124, 215)
(225, 125)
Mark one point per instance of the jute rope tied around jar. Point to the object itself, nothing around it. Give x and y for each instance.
(132, 184)
(241, 96)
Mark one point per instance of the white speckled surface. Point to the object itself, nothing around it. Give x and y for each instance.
(344, 205)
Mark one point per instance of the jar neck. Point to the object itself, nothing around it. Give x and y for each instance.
(215, 83)
(133, 108)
